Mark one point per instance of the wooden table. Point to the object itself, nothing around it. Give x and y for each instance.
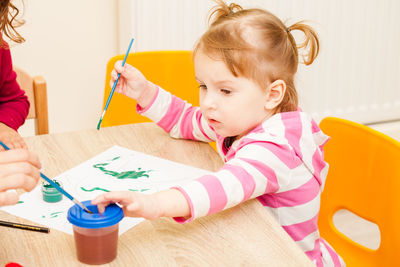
(245, 235)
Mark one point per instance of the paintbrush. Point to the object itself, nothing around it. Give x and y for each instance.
(56, 186)
(113, 88)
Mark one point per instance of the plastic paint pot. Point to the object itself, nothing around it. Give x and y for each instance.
(96, 235)
(50, 193)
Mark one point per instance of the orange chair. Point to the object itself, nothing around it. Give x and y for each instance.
(172, 70)
(364, 178)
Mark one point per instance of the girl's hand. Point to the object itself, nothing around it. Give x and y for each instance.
(167, 203)
(133, 84)
(11, 138)
(19, 168)
(134, 204)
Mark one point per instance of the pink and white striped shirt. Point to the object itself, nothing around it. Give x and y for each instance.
(280, 163)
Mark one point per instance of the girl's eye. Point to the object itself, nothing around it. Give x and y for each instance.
(202, 86)
(226, 91)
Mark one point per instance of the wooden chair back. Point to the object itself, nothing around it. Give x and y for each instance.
(36, 90)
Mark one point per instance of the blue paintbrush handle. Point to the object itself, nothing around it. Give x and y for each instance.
(119, 74)
(44, 177)
(4, 145)
(112, 91)
(65, 193)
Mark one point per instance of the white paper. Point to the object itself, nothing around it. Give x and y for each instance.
(136, 171)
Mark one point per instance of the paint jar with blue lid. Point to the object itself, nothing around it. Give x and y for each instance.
(50, 193)
(96, 235)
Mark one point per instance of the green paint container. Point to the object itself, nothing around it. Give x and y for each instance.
(50, 193)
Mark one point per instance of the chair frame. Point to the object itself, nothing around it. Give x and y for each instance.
(364, 178)
(36, 90)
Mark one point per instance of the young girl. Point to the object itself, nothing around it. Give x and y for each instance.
(245, 65)
(14, 105)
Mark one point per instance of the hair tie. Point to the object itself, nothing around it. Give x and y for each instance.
(288, 29)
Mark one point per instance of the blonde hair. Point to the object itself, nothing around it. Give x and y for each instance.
(8, 22)
(257, 45)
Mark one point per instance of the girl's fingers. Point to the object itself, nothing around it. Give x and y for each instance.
(133, 204)
(102, 201)
(119, 84)
(122, 197)
(118, 66)
(113, 75)
(101, 207)
(99, 199)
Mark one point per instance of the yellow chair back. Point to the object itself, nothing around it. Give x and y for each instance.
(172, 70)
(364, 178)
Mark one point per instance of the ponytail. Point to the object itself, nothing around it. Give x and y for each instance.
(222, 10)
(311, 42)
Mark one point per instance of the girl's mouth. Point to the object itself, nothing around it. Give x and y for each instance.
(213, 122)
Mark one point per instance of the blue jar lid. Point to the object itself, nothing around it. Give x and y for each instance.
(79, 217)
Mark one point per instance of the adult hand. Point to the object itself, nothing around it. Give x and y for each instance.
(19, 168)
(11, 138)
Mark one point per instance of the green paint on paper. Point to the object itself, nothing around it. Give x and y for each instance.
(20, 202)
(132, 174)
(106, 190)
(95, 188)
(122, 175)
(53, 214)
(138, 190)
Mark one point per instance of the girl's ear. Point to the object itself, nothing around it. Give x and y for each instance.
(275, 93)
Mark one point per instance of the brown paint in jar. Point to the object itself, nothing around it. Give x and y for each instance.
(96, 235)
(96, 246)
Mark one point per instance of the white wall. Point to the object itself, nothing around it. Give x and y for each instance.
(356, 75)
(69, 43)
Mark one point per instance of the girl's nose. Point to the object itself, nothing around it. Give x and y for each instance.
(208, 101)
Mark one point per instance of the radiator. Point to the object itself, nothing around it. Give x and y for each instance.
(356, 76)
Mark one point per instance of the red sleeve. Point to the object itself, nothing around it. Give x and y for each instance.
(14, 104)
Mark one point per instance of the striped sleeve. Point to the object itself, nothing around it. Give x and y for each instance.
(244, 177)
(177, 117)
